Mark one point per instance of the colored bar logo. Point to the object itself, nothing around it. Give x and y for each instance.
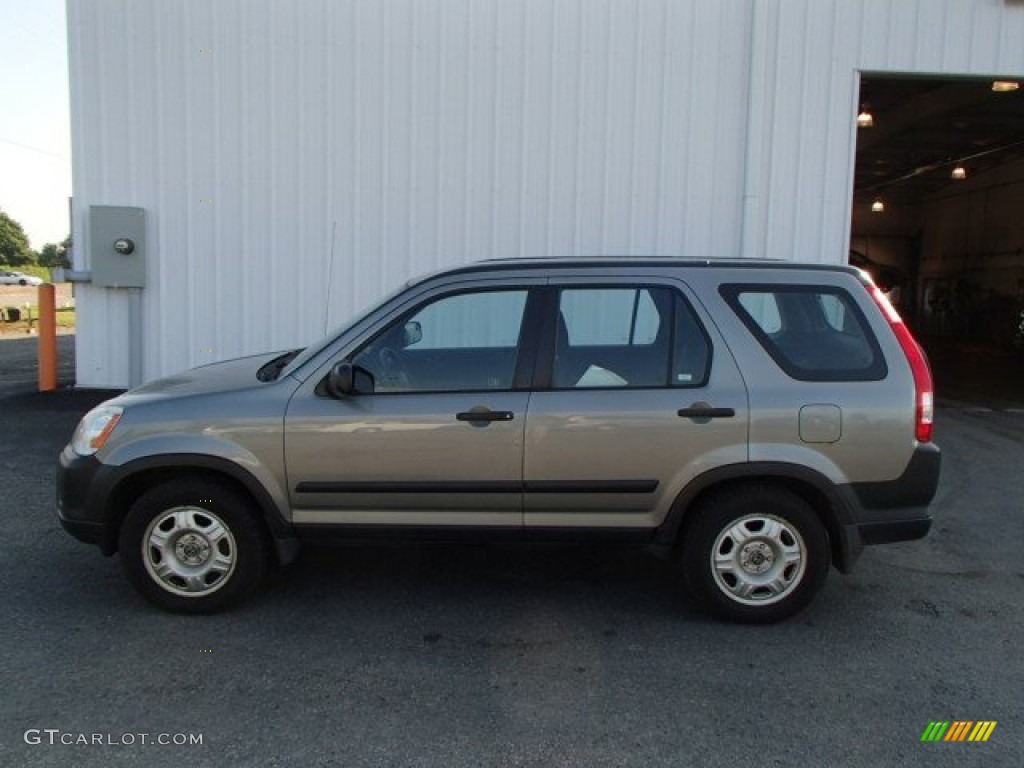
(958, 730)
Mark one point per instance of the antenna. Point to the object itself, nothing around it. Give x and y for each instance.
(330, 279)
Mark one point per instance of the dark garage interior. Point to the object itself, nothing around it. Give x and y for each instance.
(938, 220)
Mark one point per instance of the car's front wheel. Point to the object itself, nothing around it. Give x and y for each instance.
(755, 554)
(193, 546)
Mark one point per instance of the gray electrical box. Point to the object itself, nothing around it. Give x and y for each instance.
(117, 242)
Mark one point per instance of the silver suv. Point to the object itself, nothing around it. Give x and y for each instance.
(756, 421)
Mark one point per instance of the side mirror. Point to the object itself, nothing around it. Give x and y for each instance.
(412, 333)
(341, 380)
(346, 379)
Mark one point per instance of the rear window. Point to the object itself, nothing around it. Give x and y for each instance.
(814, 333)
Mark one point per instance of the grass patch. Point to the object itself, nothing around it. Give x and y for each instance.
(65, 319)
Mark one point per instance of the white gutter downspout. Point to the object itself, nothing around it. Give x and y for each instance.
(752, 232)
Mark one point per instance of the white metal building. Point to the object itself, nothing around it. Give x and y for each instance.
(295, 160)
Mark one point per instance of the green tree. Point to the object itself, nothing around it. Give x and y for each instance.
(55, 254)
(14, 247)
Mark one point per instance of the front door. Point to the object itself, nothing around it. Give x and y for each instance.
(437, 440)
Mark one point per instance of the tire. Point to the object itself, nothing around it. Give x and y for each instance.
(756, 554)
(23, 282)
(193, 546)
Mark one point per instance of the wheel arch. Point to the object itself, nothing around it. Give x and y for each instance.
(812, 487)
(135, 478)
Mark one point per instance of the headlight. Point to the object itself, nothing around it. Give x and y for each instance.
(94, 429)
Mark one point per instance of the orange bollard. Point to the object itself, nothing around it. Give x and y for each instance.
(47, 337)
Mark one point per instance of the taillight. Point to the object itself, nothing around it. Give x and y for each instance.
(924, 397)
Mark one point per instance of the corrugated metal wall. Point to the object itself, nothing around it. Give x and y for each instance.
(807, 57)
(287, 152)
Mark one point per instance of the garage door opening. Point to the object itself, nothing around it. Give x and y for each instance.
(938, 195)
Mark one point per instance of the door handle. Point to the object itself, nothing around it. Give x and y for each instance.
(485, 415)
(705, 411)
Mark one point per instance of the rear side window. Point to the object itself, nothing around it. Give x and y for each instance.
(605, 317)
(814, 333)
(635, 336)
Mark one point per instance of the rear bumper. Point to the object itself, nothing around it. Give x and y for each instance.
(855, 536)
(894, 530)
(890, 511)
(915, 487)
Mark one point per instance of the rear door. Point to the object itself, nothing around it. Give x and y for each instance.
(636, 395)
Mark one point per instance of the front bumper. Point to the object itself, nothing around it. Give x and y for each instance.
(75, 478)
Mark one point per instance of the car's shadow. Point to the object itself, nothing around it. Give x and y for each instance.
(459, 573)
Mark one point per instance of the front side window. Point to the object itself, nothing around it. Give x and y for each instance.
(628, 337)
(813, 333)
(461, 342)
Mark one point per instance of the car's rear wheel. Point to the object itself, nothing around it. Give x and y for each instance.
(755, 554)
(193, 546)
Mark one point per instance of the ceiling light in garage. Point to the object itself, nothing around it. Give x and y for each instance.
(865, 119)
(959, 173)
(878, 206)
(1004, 86)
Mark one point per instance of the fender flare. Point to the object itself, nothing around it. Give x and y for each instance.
(833, 504)
(115, 480)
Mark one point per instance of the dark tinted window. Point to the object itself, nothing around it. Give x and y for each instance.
(813, 333)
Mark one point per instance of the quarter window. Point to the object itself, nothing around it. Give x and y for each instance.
(762, 309)
(813, 333)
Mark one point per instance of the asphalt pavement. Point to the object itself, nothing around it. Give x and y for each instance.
(19, 362)
(471, 655)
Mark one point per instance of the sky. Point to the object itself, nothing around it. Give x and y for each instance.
(35, 132)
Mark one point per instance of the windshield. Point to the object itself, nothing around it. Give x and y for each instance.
(314, 349)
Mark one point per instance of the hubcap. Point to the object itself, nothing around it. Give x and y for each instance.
(758, 559)
(189, 551)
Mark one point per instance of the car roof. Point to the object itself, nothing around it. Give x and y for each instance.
(581, 262)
